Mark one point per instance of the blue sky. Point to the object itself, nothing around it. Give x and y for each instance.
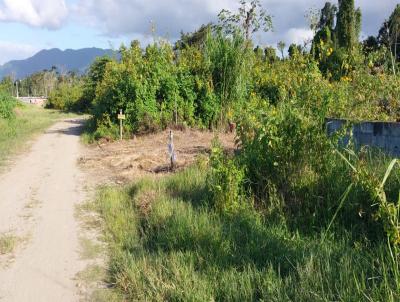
(28, 26)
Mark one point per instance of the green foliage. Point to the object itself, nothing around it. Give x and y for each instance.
(157, 88)
(281, 46)
(225, 181)
(291, 216)
(40, 83)
(7, 85)
(94, 76)
(389, 33)
(327, 17)
(7, 105)
(378, 206)
(208, 78)
(229, 61)
(270, 55)
(348, 24)
(149, 87)
(337, 48)
(294, 50)
(195, 39)
(67, 96)
(180, 249)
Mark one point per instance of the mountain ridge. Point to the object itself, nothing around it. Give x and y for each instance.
(64, 60)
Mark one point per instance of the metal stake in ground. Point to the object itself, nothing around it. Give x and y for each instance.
(121, 117)
(171, 150)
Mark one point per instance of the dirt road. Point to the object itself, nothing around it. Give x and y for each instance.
(38, 194)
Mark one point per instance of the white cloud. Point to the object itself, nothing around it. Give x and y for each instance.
(298, 35)
(37, 13)
(15, 51)
(126, 17)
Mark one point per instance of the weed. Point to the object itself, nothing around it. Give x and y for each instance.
(8, 243)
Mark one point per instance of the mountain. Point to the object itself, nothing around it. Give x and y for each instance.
(65, 60)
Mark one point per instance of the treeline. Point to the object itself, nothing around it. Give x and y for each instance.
(204, 79)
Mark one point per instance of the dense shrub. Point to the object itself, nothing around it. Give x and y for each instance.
(148, 87)
(159, 87)
(67, 96)
(207, 85)
(288, 160)
(225, 182)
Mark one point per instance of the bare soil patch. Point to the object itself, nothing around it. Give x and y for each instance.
(123, 161)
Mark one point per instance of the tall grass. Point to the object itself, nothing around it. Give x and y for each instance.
(229, 61)
(168, 244)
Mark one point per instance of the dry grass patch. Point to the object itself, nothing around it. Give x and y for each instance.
(123, 161)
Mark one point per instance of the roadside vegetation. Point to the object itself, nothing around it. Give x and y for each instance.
(291, 216)
(168, 241)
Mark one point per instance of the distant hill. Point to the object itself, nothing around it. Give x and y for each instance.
(65, 60)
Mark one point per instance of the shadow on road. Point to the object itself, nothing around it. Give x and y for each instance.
(74, 130)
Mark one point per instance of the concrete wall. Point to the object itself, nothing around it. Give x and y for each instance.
(382, 135)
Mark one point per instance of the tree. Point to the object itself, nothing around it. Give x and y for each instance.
(348, 24)
(394, 31)
(358, 20)
(327, 16)
(270, 54)
(94, 77)
(258, 51)
(383, 35)
(370, 44)
(325, 28)
(196, 38)
(250, 18)
(281, 46)
(389, 35)
(7, 85)
(313, 16)
(294, 50)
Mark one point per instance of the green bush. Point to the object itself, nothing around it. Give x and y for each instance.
(7, 105)
(225, 181)
(67, 96)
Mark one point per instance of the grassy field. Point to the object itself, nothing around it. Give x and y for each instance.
(168, 244)
(17, 131)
